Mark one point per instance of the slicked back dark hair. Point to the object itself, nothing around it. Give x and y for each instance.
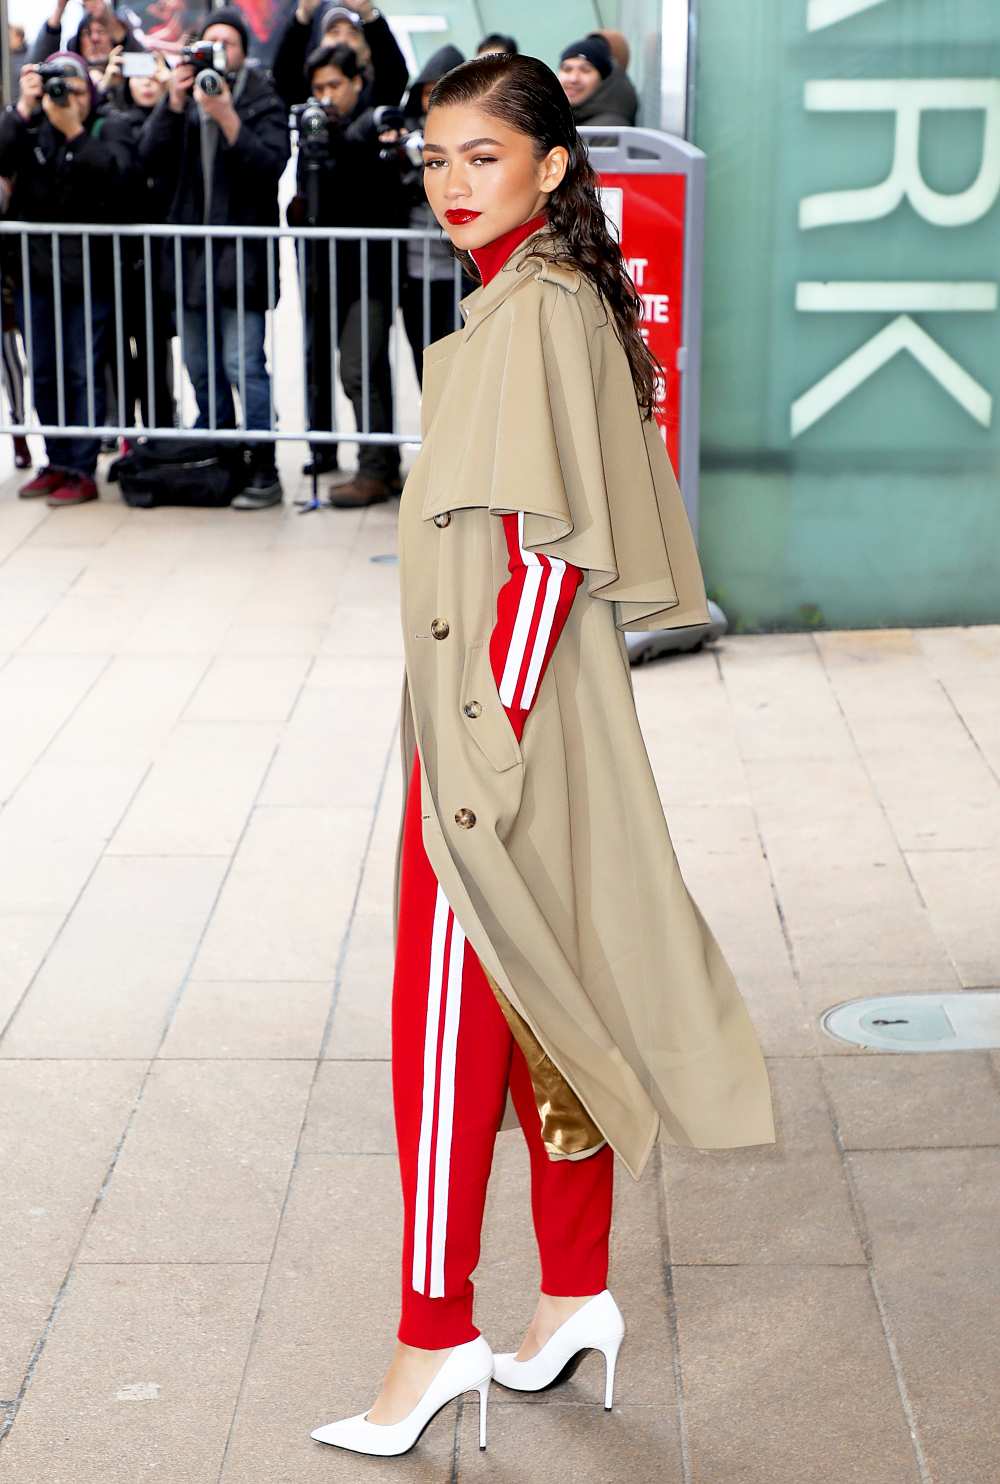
(526, 95)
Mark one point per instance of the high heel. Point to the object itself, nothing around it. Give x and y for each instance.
(469, 1367)
(596, 1325)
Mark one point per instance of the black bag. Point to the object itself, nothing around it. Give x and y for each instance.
(168, 471)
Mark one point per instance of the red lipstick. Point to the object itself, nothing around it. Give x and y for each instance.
(459, 218)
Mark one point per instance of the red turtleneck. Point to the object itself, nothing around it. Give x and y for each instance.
(490, 258)
(534, 602)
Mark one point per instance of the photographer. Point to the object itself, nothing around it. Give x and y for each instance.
(360, 26)
(219, 143)
(349, 176)
(100, 30)
(67, 169)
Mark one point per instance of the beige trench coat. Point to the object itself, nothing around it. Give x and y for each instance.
(566, 884)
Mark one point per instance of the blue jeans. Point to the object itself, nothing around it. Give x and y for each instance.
(257, 383)
(78, 455)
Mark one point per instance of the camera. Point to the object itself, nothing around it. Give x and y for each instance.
(204, 56)
(386, 117)
(55, 81)
(313, 124)
(208, 58)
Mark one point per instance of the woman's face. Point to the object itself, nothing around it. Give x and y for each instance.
(485, 173)
(146, 91)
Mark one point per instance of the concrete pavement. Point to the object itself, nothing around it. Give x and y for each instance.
(199, 1230)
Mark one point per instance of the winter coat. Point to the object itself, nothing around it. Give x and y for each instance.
(387, 67)
(554, 852)
(88, 180)
(355, 189)
(612, 102)
(244, 189)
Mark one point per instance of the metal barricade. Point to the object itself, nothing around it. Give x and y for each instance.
(114, 331)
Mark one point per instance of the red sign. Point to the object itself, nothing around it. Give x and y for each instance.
(648, 211)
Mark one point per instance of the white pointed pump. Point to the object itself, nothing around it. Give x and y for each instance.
(469, 1367)
(596, 1325)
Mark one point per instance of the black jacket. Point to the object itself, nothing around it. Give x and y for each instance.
(87, 180)
(355, 189)
(244, 188)
(388, 65)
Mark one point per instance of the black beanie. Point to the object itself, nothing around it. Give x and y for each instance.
(228, 15)
(596, 51)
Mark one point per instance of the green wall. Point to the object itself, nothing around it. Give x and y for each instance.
(886, 508)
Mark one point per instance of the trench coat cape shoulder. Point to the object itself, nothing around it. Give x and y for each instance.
(566, 884)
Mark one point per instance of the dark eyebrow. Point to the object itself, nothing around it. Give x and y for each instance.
(462, 148)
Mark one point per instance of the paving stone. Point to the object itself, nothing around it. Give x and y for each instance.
(939, 795)
(248, 688)
(60, 1123)
(350, 1109)
(38, 693)
(677, 698)
(204, 1168)
(766, 1204)
(327, 1330)
(962, 889)
(130, 710)
(563, 1440)
(907, 1100)
(199, 792)
(287, 898)
(108, 981)
(244, 1021)
(139, 1376)
(719, 845)
(933, 1217)
(25, 938)
(362, 1018)
(787, 1378)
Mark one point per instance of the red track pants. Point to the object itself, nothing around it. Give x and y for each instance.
(452, 1056)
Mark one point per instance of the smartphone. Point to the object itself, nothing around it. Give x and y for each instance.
(138, 64)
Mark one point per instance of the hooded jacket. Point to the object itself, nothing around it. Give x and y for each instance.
(552, 848)
(613, 101)
(439, 263)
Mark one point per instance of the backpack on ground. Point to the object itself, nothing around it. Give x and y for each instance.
(169, 471)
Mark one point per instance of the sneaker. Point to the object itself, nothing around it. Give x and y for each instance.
(45, 481)
(263, 489)
(73, 489)
(361, 490)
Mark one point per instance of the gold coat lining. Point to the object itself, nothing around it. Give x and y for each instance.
(568, 1131)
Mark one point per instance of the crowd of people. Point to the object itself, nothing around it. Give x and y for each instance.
(113, 129)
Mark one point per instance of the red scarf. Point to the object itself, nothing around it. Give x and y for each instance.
(490, 258)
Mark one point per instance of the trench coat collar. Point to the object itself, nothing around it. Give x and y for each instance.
(481, 302)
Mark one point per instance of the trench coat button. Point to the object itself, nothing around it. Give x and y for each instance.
(465, 818)
(472, 709)
(440, 628)
(444, 519)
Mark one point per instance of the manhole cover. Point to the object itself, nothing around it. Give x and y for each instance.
(966, 1021)
(386, 558)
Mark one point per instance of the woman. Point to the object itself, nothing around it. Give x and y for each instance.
(546, 943)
